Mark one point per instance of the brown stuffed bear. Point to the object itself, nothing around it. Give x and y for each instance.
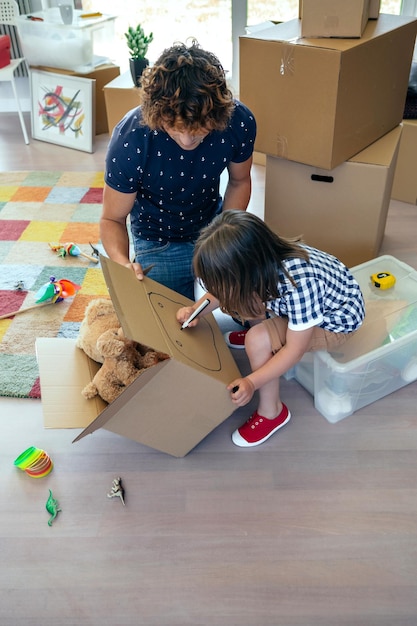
(99, 316)
(123, 361)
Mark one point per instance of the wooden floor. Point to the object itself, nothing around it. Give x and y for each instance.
(317, 527)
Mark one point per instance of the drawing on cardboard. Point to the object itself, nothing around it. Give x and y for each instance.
(184, 340)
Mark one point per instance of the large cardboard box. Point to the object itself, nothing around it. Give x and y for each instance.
(102, 74)
(404, 187)
(173, 405)
(334, 18)
(342, 211)
(321, 101)
(120, 96)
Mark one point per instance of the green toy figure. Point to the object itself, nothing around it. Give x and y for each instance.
(52, 508)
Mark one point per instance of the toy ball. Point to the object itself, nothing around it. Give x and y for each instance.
(383, 280)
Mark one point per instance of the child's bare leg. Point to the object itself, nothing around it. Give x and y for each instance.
(261, 342)
(259, 351)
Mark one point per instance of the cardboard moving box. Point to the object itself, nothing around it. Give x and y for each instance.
(404, 187)
(321, 101)
(334, 18)
(173, 405)
(374, 7)
(121, 96)
(342, 211)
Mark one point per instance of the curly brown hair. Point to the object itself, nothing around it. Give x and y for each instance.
(186, 89)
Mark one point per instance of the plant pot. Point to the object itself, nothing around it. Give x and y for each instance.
(136, 68)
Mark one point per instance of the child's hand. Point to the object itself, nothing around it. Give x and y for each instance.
(184, 313)
(242, 390)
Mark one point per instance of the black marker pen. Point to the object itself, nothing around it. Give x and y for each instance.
(198, 310)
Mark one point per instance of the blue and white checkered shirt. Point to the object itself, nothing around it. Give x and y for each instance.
(326, 295)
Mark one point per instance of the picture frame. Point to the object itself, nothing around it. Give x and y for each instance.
(63, 109)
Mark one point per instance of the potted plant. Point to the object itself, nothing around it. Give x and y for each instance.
(138, 43)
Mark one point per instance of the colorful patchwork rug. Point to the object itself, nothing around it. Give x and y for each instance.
(38, 209)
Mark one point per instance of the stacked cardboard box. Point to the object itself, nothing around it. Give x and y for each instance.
(342, 211)
(338, 11)
(334, 18)
(319, 103)
(404, 187)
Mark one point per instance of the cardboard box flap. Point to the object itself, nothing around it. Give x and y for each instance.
(155, 413)
(290, 32)
(146, 310)
(62, 402)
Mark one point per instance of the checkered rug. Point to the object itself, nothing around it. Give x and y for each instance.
(38, 208)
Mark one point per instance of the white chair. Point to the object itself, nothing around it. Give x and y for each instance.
(8, 13)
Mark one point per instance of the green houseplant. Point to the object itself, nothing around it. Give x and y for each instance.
(138, 44)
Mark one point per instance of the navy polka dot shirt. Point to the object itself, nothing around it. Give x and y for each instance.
(177, 189)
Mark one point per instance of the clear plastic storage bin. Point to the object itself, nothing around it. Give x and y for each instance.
(380, 358)
(80, 46)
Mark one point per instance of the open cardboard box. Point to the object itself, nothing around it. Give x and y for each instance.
(173, 405)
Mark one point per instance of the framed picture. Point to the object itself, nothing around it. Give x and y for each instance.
(63, 109)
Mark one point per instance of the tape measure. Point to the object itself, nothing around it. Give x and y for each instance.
(383, 280)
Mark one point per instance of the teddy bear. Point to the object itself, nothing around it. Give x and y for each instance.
(122, 359)
(123, 362)
(99, 316)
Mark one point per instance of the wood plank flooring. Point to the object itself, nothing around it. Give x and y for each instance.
(317, 527)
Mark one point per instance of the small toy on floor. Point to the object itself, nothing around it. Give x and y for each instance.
(35, 462)
(51, 293)
(52, 508)
(117, 490)
(71, 249)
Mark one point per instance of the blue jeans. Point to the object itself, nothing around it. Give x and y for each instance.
(172, 263)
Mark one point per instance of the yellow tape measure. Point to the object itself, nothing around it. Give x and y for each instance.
(383, 280)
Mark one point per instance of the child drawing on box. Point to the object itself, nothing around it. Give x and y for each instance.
(297, 299)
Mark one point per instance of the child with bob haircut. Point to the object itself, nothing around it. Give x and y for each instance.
(296, 297)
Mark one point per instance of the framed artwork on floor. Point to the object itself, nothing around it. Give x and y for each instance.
(63, 109)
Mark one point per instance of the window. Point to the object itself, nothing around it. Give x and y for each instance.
(208, 21)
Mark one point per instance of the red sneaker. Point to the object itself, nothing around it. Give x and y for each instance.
(236, 339)
(258, 429)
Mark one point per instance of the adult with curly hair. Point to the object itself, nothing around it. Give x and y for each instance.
(164, 163)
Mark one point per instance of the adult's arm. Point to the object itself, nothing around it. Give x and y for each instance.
(239, 186)
(113, 229)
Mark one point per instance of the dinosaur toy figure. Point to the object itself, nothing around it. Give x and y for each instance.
(52, 508)
(117, 490)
